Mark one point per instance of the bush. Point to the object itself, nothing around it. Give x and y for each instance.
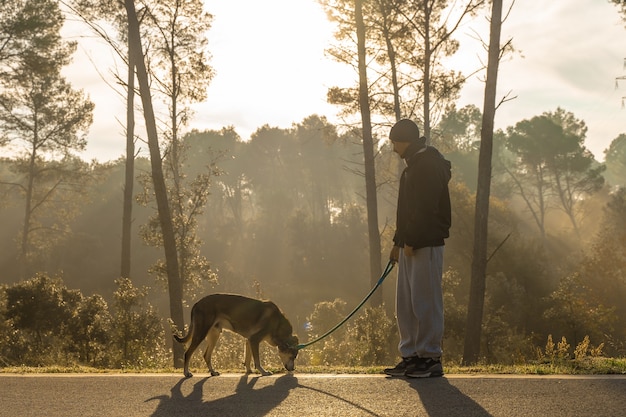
(43, 323)
(368, 338)
(138, 338)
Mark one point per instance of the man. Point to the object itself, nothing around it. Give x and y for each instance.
(423, 220)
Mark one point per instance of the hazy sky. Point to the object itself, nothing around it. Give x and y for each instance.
(271, 68)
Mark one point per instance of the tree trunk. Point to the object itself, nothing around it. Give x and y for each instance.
(160, 191)
(24, 258)
(129, 175)
(393, 67)
(368, 152)
(479, 261)
(427, 61)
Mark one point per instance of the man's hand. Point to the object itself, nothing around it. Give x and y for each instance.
(408, 251)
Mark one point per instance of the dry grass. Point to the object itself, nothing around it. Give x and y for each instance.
(584, 366)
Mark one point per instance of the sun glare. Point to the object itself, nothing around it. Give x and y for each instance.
(273, 55)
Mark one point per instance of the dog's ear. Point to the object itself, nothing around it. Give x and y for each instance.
(290, 344)
(284, 327)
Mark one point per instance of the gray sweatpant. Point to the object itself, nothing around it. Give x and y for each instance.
(419, 303)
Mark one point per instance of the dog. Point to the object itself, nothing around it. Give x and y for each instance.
(253, 319)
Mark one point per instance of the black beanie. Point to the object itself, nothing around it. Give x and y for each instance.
(404, 130)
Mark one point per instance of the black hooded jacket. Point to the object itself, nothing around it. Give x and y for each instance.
(423, 216)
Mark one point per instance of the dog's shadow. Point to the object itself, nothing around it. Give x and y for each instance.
(245, 401)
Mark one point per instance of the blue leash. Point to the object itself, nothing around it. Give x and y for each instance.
(386, 272)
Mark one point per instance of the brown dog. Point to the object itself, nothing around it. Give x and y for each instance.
(253, 319)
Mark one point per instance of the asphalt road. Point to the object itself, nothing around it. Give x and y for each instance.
(83, 395)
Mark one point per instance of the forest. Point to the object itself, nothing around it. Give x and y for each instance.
(285, 215)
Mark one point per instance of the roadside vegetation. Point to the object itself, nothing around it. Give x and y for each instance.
(100, 261)
(70, 333)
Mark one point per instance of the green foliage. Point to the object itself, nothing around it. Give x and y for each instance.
(615, 160)
(368, 338)
(43, 120)
(602, 272)
(90, 331)
(405, 45)
(30, 32)
(325, 316)
(372, 337)
(53, 193)
(48, 323)
(459, 130)
(137, 333)
(285, 217)
(187, 199)
(40, 305)
(176, 37)
(576, 310)
(553, 169)
(44, 323)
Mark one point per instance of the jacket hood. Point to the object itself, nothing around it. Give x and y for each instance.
(418, 150)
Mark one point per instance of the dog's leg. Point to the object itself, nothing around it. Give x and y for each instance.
(248, 357)
(254, 348)
(195, 342)
(212, 338)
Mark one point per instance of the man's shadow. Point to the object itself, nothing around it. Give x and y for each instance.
(246, 401)
(442, 399)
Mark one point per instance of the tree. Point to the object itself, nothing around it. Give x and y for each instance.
(554, 169)
(175, 287)
(406, 42)
(615, 160)
(55, 323)
(129, 170)
(352, 29)
(459, 139)
(368, 153)
(42, 306)
(574, 169)
(28, 28)
(481, 219)
(530, 176)
(459, 129)
(188, 203)
(179, 63)
(45, 120)
(391, 30)
(89, 330)
(602, 269)
(137, 330)
(112, 11)
(620, 5)
(616, 154)
(577, 312)
(401, 44)
(434, 23)
(179, 66)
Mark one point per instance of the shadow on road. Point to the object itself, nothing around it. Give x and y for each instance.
(246, 401)
(438, 397)
(441, 399)
(353, 405)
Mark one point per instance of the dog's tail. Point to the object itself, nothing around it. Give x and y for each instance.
(182, 339)
(185, 338)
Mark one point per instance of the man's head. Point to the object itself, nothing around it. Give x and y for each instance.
(402, 134)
